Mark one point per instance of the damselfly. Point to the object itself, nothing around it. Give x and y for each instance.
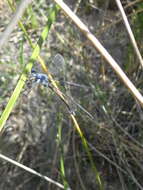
(57, 69)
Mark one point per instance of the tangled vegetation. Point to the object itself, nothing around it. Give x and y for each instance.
(83, 128)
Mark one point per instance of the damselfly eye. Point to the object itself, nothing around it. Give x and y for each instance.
(33, 71)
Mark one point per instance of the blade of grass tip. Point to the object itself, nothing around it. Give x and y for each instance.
(27, 69)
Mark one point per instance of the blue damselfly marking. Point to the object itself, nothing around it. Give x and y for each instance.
(57, 69)
(40, 78)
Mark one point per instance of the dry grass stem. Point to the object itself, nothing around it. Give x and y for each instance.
(30, 170)
(129, 30)
(14, 21)
(102, 51)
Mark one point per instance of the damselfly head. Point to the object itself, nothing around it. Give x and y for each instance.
(33, 71)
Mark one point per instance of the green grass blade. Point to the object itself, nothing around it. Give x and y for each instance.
(92, 162)
(27, 69)
(62, 162)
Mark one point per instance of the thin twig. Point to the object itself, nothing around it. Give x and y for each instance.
(129, 30)
(106, 158)
(14, 21)
(31, 171)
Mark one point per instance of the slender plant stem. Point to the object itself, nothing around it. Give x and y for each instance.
(129, 30)
(14, 21)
